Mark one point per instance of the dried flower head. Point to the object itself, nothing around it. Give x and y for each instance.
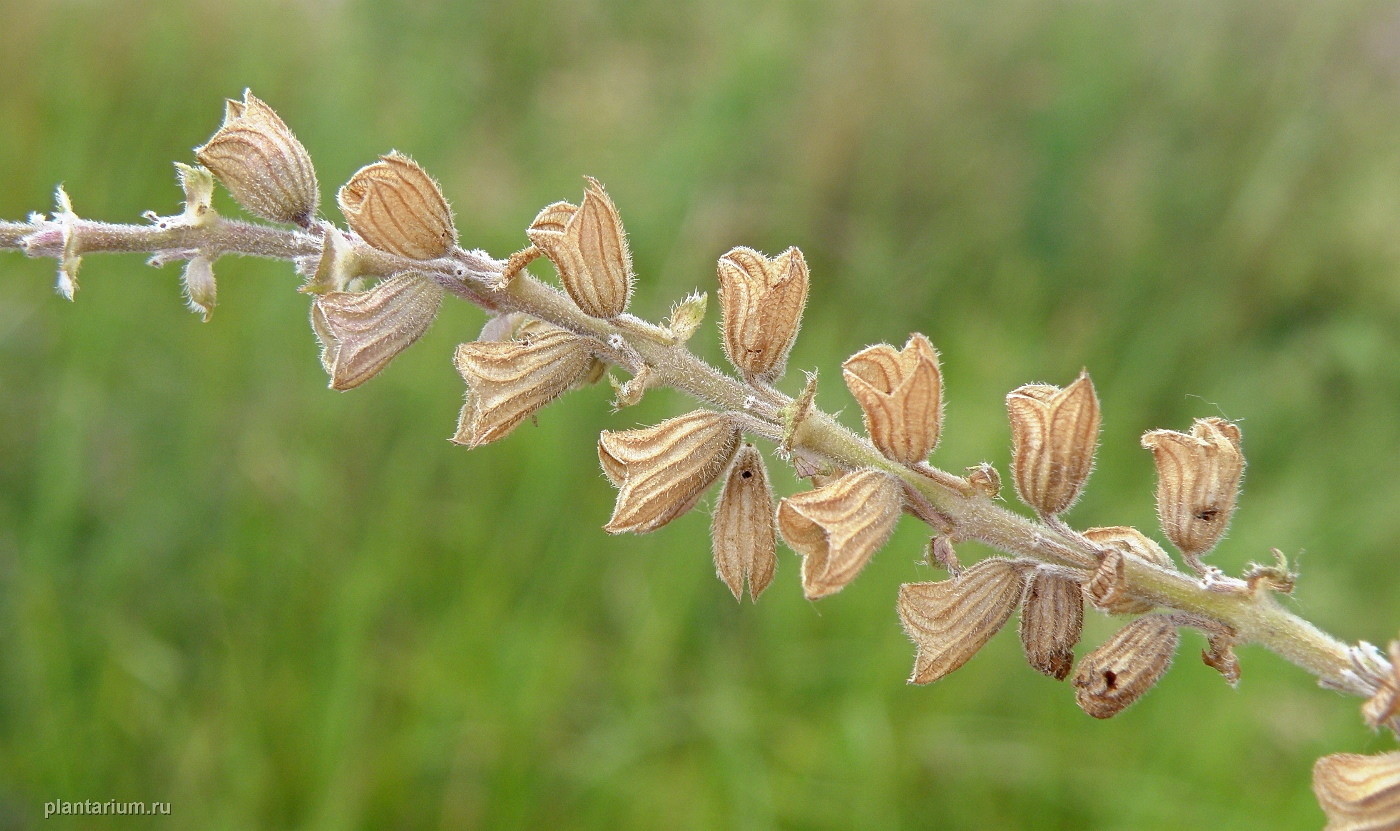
(1127, 665)
(261, 163)
(1359, 793)
(901, 396)
(361, 332)
(838, 527)
(1054, 433)
(761, 300)
(395, 206)
(1198, 481)
(1106, 589)
(949, 621)
(661, 471)
(508, 381)
(742, 533)
(1052, 618)
(589, 250)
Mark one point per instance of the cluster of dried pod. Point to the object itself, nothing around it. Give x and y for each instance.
(520, 364)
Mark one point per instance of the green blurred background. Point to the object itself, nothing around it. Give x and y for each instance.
(275, 606)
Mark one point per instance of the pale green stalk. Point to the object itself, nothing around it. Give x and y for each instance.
(1255, 616)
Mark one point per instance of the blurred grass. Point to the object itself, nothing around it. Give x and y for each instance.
(274, 606)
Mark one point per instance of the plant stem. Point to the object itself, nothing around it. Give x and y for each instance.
(1255, 616)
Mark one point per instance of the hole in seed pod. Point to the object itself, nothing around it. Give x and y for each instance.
(1208, 514)
(748, 474)
(1110, 678)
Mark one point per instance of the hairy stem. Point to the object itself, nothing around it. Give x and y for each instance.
(1255, 616)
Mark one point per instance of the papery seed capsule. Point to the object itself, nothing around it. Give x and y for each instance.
(1359, 793)
(395, 206)
(588, 247)
(1052, 617)
(1198, 482)
(509, 381)
(761, 301)
(742, 530)
(1054, 433)
(900, 393)
(261, 163)
(1106, 589)
(1126, 666)
(361, 332)
(949, 621)
(838, 527)
(661, 471)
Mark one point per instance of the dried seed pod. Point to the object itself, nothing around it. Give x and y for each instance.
(1052, 618)
(1106, 588)
(741, 531)
(395, 206)
(949, 621)
(985, 479)
(1127, 665)
(1054, 433)
(901, 396)
(200, 289)
(508, 381)
(761, 301)
(589, 250)
(661, 471)
(1198, 481)
(361, 332)
(1359, 793)
(261, 163)
(839, 526)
